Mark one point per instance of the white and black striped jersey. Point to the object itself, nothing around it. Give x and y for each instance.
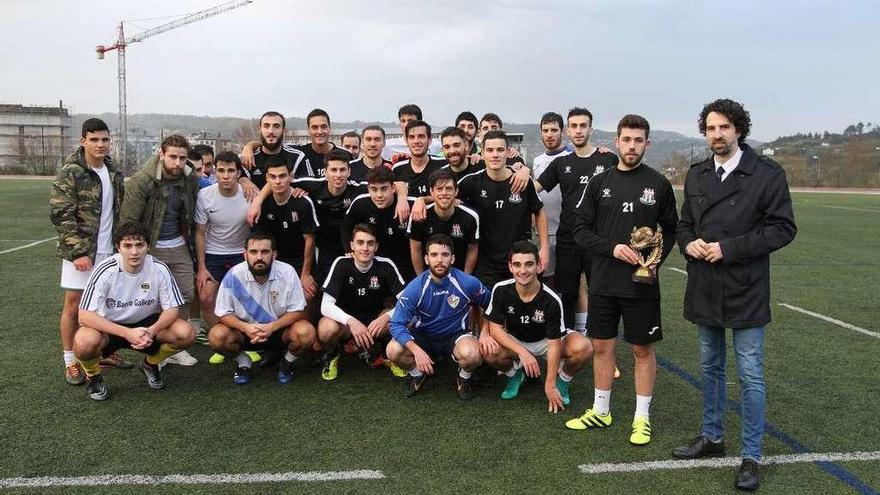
(296, 159)
(123, 297)
(417, 182)
(315, 160)
(390, 232)
(331, 213)
(463, 226)
(366, 292)
(533, 321)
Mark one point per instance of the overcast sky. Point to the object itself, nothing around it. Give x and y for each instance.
(797, 65)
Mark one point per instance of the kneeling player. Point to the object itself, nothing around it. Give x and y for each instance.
(358, 294)
(525, 318)
(261, 307)
(430, 319)
(131, 302)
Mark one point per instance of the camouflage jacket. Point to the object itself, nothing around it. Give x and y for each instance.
(75, 205)
(147, 196)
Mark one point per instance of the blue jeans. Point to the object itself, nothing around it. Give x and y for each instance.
(748, 344)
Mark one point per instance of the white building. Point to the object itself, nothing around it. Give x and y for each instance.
(35, 139)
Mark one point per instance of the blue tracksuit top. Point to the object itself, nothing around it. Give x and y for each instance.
(437, 309)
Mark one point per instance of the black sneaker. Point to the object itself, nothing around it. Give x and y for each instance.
(465, 388)
(285, 371)
(412, 384)
(96, 388)
(241, 376)
(154, 376)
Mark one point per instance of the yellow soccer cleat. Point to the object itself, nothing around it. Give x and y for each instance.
(588, 421)
(395, 369)
(641, 434)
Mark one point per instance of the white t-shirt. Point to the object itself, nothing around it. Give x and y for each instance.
(251, 302)
(105, 231)
(225, 217)
(124, 297)
(398, 145)
(552, 199)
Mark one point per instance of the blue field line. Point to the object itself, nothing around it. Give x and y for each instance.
(831, 468)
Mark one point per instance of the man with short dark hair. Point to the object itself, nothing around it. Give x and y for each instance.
(615, 206)
(373, 142)
(319, 129)
(206, 174)
(255, 155)
(736, 211)
(130, 302)
(414, 172)
(551, 137)
(84, 207)
(351, 142)
(398, 148)
(467, 122)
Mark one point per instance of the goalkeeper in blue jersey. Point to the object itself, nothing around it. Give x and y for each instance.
(431, 316)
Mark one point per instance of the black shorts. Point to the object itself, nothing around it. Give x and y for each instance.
(116, 342)
(570, 264)
(641, 319)
(219, 264)
(436, 347)
(489, 276)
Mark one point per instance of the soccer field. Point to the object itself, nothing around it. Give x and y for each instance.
(359, 435)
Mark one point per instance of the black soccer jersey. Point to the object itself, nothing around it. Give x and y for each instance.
(417, 183)
(363, 294)
(287, 222)
(505, 217)
(296, 159)
(331, 215)
(614, 202)
(316, 160)
(471, 168)
(359, 169)
(391, 233)
(572, 174)
(463, 227)
(538, 319)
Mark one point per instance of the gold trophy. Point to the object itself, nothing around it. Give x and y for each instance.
(641, 240)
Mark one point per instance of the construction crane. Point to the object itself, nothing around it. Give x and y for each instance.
(122, 42)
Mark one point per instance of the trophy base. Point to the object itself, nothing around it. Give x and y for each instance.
(644, 276)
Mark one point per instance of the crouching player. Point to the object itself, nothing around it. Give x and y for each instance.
(430, 319)
(130, 302)
(525, 322)
(359, 292)
(261, 306)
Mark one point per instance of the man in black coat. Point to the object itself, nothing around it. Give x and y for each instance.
(736, 211)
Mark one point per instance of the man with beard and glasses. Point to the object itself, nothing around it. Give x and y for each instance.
(397, 149)
(377, 209)
(358, 293)
(430, 320)
(443, 216)
(261, 307)
(737, 210)
(373, 142)
(571, 173)
(551, 137)
(625, 197)
(253, 171)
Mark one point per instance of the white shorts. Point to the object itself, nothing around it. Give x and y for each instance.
(539, 348)
(73, 279)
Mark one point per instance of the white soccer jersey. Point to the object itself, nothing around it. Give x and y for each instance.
(552, 199)
(124, 297)
(225, 217)
(240, 294)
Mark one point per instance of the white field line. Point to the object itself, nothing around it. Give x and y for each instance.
(28, 245)
(678, 270)
(634, 467)
(189, 479)
(848, 208)
(829, 319)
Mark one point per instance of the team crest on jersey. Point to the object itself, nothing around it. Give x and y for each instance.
(515, 198)
(567, 170)
(606, 193)
(453, 301)
(538, 317)
(319, 201)
(270, 216)
(350, 280)
(294, 216)
(273, 295)
(599, 170)
(374, 282)
(482, 193)
(510, 310)
(145, 286)
(456, 230)
(110, 303)
(372, 220)
(647, 197)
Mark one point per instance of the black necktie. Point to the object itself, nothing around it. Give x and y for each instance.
(719, 172)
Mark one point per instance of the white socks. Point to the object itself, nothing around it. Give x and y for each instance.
(513, 369)
(289, 357)
(69, 358)
(643, 406)
(602, 402)
(465, 375)
(564, 376)
(243, 360)
(415, 373)
(580, 321)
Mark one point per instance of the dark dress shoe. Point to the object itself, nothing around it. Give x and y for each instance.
(747, 476)
(699, 447)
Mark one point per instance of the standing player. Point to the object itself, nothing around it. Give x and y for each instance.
(253, 170)
(525, 319)
(442, 216)
(467, 122)
(551, 137)
(373, 139)
(358, 294)
(206, 176)
(84, 205)
(628, 196)
(455, 145)
(397, 148)
(572, 173)
(319, 145)
(736, 211)
(414, 172)
(351, 142)
(130, 302)
(505, 216)
(377, 208)
(261, 307)
(430, 320)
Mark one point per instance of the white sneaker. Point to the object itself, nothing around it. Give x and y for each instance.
(182, 358)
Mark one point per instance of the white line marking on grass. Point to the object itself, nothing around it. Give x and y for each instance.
(848, 208)
(189, 479)
(634, 467)
(28, 245)
(679, 270)
(829, 319)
